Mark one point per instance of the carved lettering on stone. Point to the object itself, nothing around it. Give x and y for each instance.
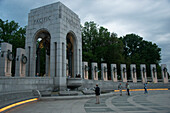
(71, 22)
(42, 20)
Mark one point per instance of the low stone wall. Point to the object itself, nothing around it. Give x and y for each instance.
(19, 84)
(12, 97)
(110, 85)
(15, 84)
(14, 89)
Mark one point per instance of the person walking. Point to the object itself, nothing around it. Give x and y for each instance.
(145, 88)
(120, 88)
(97, 92)
(128, 88)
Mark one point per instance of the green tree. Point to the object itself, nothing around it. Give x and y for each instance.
(99, 45)
(89, 32)
(138, 51)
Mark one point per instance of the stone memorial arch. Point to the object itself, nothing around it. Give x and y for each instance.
(55, 28)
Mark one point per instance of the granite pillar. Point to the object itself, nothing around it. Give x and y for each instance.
(133, 72)
(6, 59)
(94, 71)
(143, 73)
(104, 71)
(20, 63)
(114, 72)
(164, 73)
(85, 70)
(153, 73)
(123, 72)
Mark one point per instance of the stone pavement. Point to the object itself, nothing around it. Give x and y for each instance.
(154, 102)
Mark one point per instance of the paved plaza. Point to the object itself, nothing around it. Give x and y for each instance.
(154, 102)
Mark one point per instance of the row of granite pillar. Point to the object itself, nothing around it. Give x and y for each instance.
(6, 59)
(104, 72)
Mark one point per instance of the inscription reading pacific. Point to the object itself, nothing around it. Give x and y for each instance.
(42, 20)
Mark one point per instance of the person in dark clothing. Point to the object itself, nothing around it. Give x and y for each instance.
(128, 88)
(97, 92)
(145, 88)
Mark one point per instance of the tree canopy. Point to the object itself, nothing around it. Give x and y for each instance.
(99, 45)
(138, 50)
(12, 33)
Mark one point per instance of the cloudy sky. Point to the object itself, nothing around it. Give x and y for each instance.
(149, 19)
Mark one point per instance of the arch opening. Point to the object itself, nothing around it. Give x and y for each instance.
(70, 54)
(42, 40)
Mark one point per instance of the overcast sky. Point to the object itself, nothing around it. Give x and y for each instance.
(149, 19)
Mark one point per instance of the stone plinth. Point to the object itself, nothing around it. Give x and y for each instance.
(164, 73)
(123, 72)
(94, 71)
(85, 70)
(6, 59)
(104, 71)
(74, 82)
(153, 73)
(114, 72)
(143, 73)
(88, 92)
(20, 63)
(133, 72)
